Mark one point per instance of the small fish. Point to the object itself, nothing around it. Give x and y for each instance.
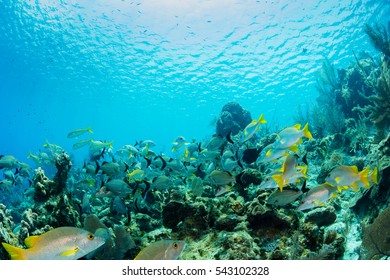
(251, 129)
(9, 175)
(78, 132)
(118, 207)
(210, 155)
(128, 149)
(24, 170)
(117, 186)
(268, 183)
(215, 143)
(9, 162)
(161, 182)
(178, 143)
(90, 168)
(86, 203)
(197, 186)
(86, 183)
(6, 183)
(289, 169)
(344, 175)
(222, 190)
(81, 143)
(145, 143)
(162, 250)
(98, 145)
(282, 198)
(219, 177)
(317, 196)
(291, 136)
(109, 168)
(229, 164)
(63, 243)
(269, 154)
(53, 148)
(136, 175)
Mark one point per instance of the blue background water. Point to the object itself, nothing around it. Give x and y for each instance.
(135, 70)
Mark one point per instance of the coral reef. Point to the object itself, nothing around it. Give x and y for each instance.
(6, 224)
(233, 118)
(376, 236)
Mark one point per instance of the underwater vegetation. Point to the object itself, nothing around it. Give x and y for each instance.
(317, 189)
(358, 97)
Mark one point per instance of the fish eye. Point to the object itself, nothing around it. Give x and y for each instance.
(90, 236)
(175, 245)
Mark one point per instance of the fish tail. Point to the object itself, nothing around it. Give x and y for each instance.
(14, 252)
(261, 119)
(306, 131)
(279, 180)
(374, 176)
(364, 176)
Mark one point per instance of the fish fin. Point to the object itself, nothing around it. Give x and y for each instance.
(364, 176)
(279, 180)
(304, 171)
(70, 252)
(186, 152)
(341, 188)
(31, 240)
(355, 186)
(268, 153)
(354, 169)
(334, 195)
(126, 166)
(89, 130)
(164, 163)
(306, 131)
(297, 126)
(374, 176)
(173, 149)
(337, 179)
(261, 119)
(294, 148)
(148, 162)
(229, 137)
(304, 159)
(97, 167)
(14, 252)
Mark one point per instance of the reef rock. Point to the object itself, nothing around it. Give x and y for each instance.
(232, 118)
(322, 216)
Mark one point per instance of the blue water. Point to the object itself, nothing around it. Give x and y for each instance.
(136, 70)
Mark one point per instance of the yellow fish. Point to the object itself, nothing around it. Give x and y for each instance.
(317, 196)
(289, 172)
(252, 128)
(291, 136)
(344, 175)
(63, 243)
(78, 132)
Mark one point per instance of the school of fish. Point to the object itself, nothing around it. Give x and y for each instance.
(133, 171)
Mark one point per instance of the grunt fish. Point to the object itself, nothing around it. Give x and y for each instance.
(78, 132)
(63, 243)
(162, 250)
